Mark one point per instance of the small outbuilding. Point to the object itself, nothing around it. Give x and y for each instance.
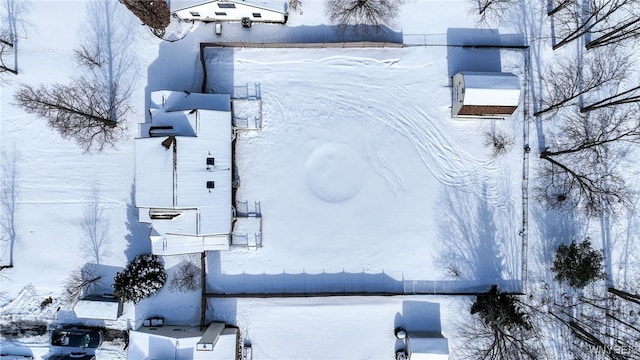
(103, 307)
(485, 94)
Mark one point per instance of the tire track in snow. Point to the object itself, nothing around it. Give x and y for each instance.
(449, 164)
(396, 108)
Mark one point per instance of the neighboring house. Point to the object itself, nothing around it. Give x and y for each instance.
(103, 307)
(183, 177)
(230, 11)
(217, 342)
(484, 94)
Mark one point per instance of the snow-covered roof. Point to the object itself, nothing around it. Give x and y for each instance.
(98, 308)
(230, 10)
(491, 89)
(183, 182)
(429, 348)
(180, 342)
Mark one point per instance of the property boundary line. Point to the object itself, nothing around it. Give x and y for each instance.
(520, 290)
(340, 294)
(303, 45)
(525, 171)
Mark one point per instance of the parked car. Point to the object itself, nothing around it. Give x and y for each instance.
(74, 337)
(74, 356)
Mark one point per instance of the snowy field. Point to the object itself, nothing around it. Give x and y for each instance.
(362, 176)
(360, 165)
(358, 168)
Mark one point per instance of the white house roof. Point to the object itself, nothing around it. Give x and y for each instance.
(97, 309)
(181, 178)
(178, 342)
(231, 10)
(491, 89)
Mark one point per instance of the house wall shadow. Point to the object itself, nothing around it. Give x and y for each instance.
(304, 283)
(275, 33)
(138, 237)
(219, 70)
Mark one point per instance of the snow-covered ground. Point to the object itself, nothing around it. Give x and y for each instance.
(361, 174)
(360, 168)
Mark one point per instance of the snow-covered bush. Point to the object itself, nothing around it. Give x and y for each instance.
(142, 278)
(578, 264)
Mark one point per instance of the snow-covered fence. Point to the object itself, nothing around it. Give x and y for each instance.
(309, 45)
(246, 92)
(458, 287)
(305, 284)
(247, 112)
(345, 284)
(244, 209)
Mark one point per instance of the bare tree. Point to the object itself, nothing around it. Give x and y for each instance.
(608, 19)
(81, 111)
(579, 173)
(95, 227)
(573, 78)
(9, 193)
(494, 9)
(499, 142)
(618, 33)
(187, 278)
(12, 27)
(6, 49)
(598, 323)
(107, 56)
(623, 97)
(80, 280)
(92, 109)
(368, 13)
(557, 5)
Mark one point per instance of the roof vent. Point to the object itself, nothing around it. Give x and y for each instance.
(211, 184)
(211, 161)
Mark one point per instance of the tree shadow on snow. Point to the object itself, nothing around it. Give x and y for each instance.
(95, 227)
(555, 228)
(471, 242)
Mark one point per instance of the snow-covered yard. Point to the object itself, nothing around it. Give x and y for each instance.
(360, 168)
(365, 182)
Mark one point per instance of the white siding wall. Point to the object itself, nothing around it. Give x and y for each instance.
(230, 11)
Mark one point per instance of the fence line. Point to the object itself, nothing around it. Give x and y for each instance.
(310, 45)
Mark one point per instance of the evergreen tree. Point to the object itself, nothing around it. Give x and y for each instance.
(499, 310)
(578, 264)
(142, 278)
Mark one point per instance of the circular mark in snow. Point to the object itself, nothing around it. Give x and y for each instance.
(334, 172)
